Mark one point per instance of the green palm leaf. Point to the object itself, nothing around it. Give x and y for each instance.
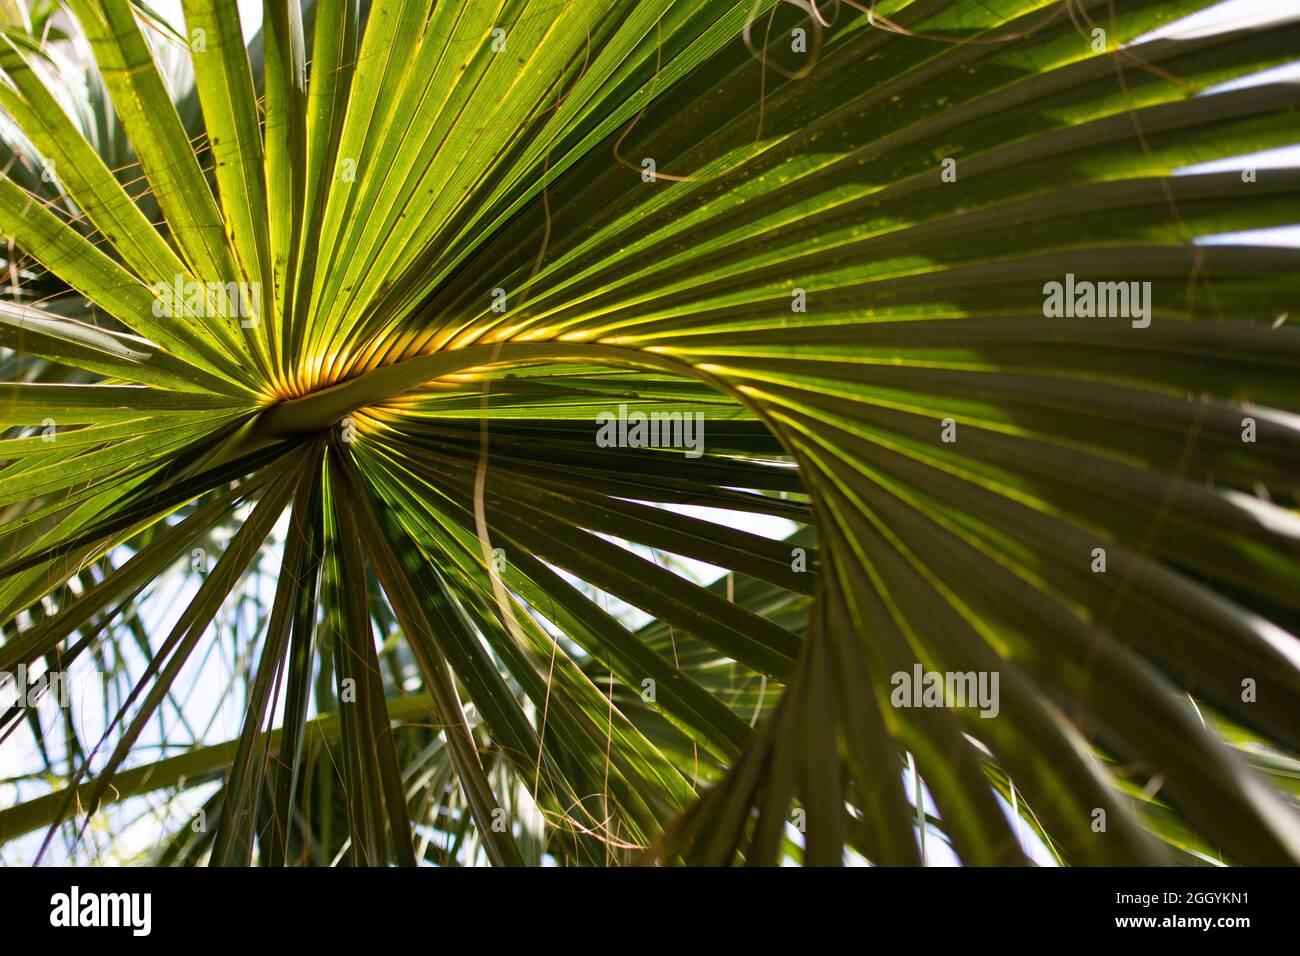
(468, 230)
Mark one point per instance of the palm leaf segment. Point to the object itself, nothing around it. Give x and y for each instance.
(476, 226)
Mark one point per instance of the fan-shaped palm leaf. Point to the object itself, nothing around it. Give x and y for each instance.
(461, 232)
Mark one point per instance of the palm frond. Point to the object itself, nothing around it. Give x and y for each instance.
(469, 233)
